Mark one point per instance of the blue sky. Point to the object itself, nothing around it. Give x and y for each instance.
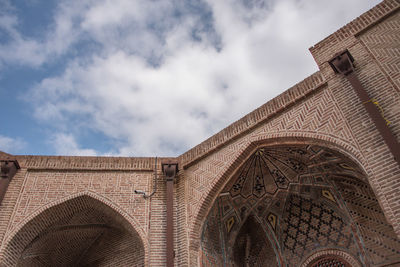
(147, 78)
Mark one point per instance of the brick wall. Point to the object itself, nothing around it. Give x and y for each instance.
(327, 113)
(372, 39)
(44, 182)
(323, 110)
(84, 229)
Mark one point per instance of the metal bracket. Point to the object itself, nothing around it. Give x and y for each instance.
(342, 63)
(169, 170)
(7, 167)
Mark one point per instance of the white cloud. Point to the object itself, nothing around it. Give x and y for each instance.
(154, 89)
(65, 144)
(11, 145)
(22, 50)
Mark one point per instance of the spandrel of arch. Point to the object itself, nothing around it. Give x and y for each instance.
(81, 231)
(306, 198)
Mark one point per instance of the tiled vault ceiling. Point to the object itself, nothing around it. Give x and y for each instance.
(286, 203)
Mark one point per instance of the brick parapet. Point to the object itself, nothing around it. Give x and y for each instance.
(88, 163)
(5, 156)
(250, 121)
(345, 36)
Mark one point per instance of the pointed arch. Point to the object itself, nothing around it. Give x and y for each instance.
(289, 138)
(83, 216)
(234, 185)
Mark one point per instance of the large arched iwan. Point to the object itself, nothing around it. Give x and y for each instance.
(306, 197)
(80, 230)
(271, 140)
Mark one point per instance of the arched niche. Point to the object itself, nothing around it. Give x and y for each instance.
(252, 247)
(82, 231)
(306, 198)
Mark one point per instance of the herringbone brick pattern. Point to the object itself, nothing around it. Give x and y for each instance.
(81, 231)
(383, 41)
(322, 110)
(42, 188)
(345, 36)
(379, 239)
(318, 116)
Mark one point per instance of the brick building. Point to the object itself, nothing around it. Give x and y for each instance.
(311, 178)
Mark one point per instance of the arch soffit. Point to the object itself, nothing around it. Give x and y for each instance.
(93, 195)
(248, 149)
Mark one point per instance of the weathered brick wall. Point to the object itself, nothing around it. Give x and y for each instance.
(327, 112)
(316, 120)
(157, 225)
(323, 109)
(43, 182)
(373, 41)
(382, 44)
(83, 229)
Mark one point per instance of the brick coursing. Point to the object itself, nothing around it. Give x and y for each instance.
(321, 110)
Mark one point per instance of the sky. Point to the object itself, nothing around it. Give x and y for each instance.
(149, 77)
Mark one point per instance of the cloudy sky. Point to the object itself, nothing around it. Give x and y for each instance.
(148, 77)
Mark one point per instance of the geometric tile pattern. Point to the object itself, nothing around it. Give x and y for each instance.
(212, 247)
(307, 224)
(379, 239)
(301, 199)
(271, 169)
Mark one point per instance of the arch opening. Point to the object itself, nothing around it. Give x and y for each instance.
(81, 231)
(303, 198)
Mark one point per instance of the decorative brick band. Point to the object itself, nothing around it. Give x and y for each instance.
(255, 118)
(87, 163)
(331, 252)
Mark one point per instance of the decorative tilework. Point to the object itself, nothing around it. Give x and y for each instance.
(304, 198)
(308, 223)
